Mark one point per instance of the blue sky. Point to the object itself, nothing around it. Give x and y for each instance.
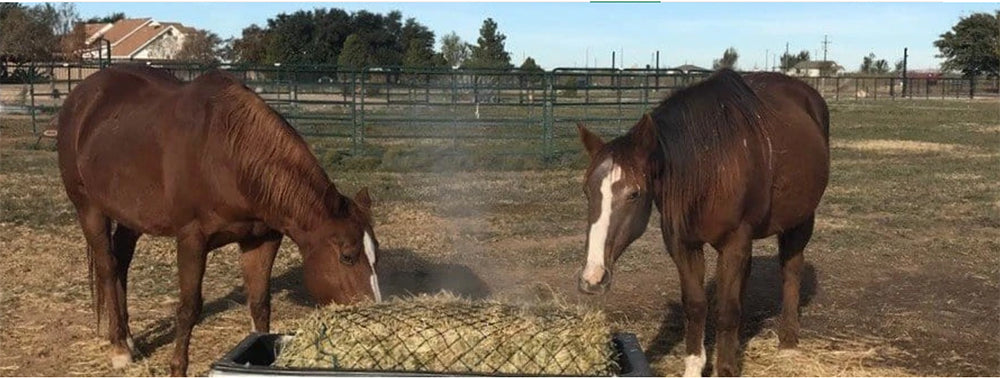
(566, 34)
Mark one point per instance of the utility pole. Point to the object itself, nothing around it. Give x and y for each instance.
(826, 42)
(786, 54)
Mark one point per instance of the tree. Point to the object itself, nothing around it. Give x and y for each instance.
(419, 42)
(38, 32)
(319, 36)
(898, 67)
(529, 65)
(788, 60)
(109, 19)
(871, 65)
(972, 46)
(356, 53)
(453, 50)
(201, 46)
(490, 51)
(728, 60)
(251, 47)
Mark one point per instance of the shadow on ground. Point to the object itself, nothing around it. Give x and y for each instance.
(762, 303)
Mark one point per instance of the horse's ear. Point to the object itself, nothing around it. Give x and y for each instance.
(644, 134)
(333, 200)
(591, 142)
(363, 199)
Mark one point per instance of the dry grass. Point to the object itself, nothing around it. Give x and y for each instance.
(896, 146)
(904, 263)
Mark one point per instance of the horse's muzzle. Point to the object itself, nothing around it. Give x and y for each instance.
(594, 289)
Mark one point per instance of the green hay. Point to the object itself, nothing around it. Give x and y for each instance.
(445, 334)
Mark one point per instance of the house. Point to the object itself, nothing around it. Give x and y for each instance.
(135, 39)
(815, 68)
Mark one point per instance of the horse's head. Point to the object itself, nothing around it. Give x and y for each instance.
(340, 263)
(619, 188)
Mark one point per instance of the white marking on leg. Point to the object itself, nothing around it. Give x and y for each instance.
(370, 253)
(253, 324)
(120, 360)
(593, 273)
(695, 363)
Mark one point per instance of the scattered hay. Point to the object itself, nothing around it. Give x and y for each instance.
(445, 334)
(896, 146)
(822, 356)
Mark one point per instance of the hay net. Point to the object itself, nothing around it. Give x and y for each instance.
(444, 334)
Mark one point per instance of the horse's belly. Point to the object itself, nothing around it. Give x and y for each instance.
(124, 176)
(799, 183)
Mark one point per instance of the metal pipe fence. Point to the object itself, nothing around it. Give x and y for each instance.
(515, 112)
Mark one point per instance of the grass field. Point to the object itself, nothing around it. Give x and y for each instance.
(903, 273)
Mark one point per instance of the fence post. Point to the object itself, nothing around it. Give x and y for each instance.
(547, 117)
(837, 89)
(364, 93)
(972, 87)
(354, 113)
(69, 79)
(31, 93)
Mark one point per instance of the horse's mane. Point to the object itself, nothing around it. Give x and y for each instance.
(277, 170)
(702, 131)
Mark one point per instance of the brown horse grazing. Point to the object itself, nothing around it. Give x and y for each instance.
(726, 161)
(211, 164)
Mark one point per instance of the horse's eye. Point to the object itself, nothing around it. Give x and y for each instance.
(632, 196)
(348, 259)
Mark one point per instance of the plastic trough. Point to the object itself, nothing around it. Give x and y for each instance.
(253, 357)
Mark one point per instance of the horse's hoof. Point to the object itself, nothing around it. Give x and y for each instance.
(788, 352)
(130, 343)
(121, 360)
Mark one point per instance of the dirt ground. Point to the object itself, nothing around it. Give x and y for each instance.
(903, 274)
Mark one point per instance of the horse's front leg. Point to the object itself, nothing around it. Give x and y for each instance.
(690, 261)
(191, 256)
(257, 260)
(733, 270)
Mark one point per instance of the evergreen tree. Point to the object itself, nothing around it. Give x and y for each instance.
(490, 51)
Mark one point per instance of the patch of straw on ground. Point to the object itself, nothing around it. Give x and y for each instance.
(897, 146)
(822, 356)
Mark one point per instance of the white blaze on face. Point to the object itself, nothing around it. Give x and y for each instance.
(593, 273)
(370, 253)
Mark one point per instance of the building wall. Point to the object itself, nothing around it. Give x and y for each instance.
(166, 46)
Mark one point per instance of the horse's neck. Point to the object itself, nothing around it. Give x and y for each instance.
(289, 189)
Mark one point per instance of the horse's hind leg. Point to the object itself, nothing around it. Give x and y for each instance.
(123, 247)
(97, 230)
(791, 243)
(257, 259)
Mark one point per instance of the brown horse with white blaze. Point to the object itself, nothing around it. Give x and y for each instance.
(726, 161)
(209, 163)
